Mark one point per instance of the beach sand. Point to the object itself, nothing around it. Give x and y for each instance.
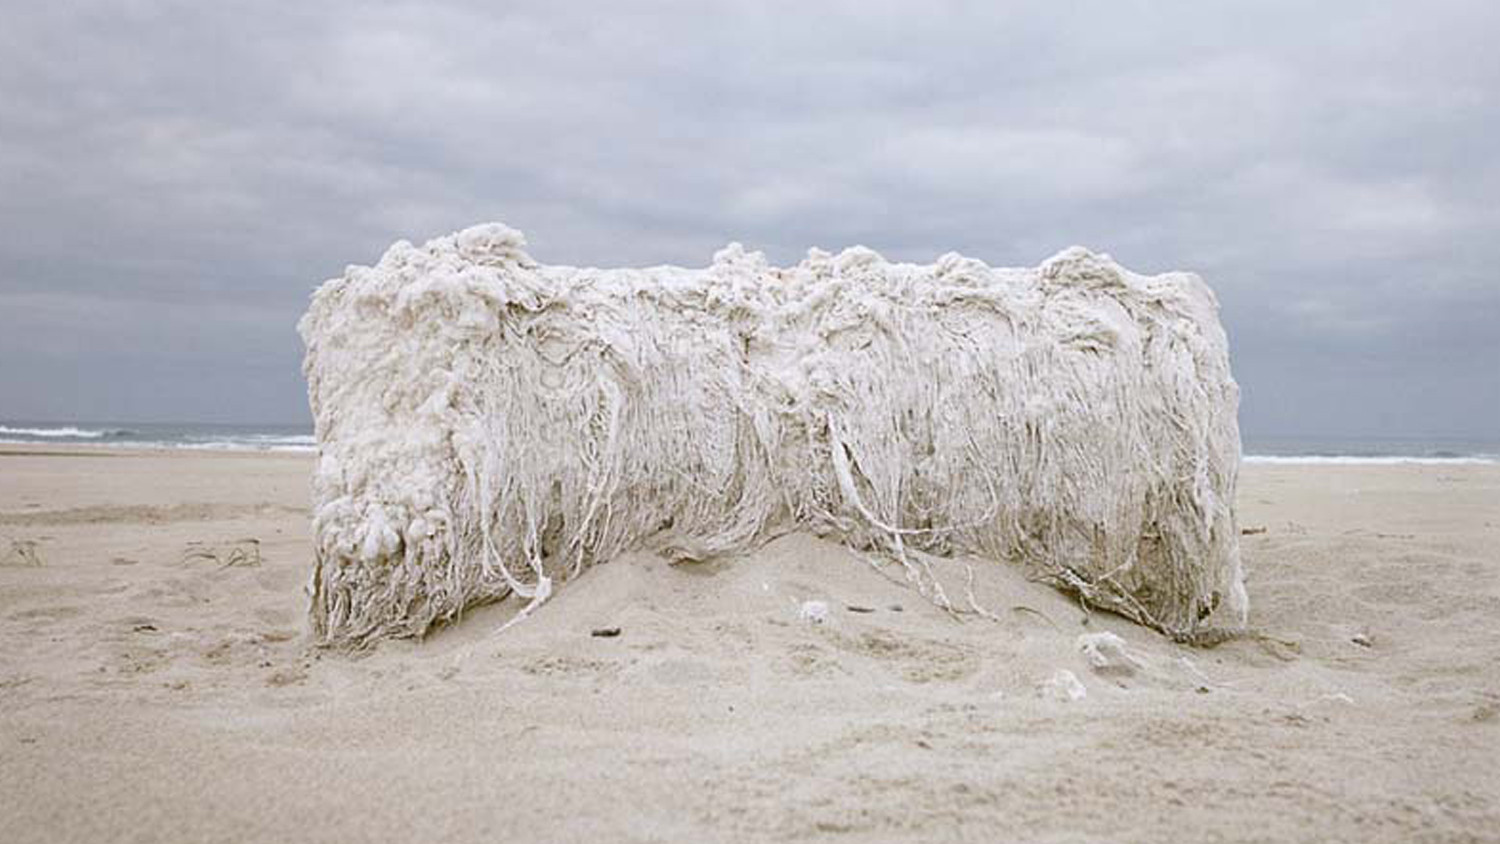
(156, 684)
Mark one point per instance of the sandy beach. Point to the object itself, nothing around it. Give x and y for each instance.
(156, 683)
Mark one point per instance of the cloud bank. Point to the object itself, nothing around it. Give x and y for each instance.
(176, 177)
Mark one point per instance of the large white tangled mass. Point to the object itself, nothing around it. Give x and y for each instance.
(489, 426)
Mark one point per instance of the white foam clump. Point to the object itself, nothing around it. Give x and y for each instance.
(489, 426)
(815, 612)
(1106, 652)
(1062, 686)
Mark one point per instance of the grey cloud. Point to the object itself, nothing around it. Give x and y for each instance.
(175, 177)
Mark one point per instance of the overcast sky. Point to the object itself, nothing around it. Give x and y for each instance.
(175, 178)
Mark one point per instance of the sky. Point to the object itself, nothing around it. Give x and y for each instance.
(176, 177)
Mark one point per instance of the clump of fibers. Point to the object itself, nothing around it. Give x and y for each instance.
(489, 426)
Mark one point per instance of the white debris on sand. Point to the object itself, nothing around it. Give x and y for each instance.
(1106, 653)
(1063, 686)
(815, 612)
(488, 425)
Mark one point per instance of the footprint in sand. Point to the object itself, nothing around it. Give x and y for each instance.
(238, 552)
(286, 677)
(915, 659)
(47, 614)
(22, 553)
(560, 666)
(810, 660)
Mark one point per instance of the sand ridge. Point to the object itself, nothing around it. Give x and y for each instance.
(155, 685)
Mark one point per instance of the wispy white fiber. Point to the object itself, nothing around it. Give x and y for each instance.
(489, 426)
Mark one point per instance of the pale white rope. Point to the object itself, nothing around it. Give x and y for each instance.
(489, 425)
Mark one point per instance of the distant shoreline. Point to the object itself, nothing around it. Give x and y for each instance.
(11, 449)
(128, 449)
(97, 437)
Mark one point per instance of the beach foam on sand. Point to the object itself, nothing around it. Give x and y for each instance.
(156, 684)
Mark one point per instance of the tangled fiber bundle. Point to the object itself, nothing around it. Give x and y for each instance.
(490, 426)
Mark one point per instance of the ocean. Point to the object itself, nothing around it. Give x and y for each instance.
(1257, 449)
(208, 437)
(1285, 449)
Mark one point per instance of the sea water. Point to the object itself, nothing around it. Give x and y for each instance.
(191, 435)
(1304, 449)
(292, 437)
